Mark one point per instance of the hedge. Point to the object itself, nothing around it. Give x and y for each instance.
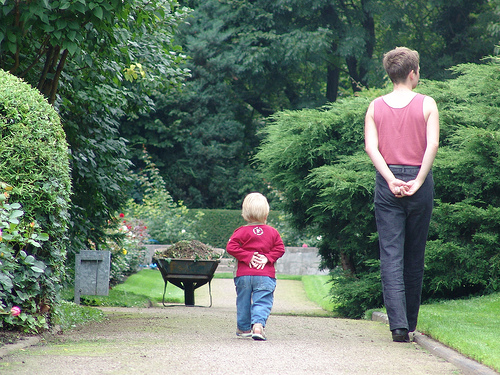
(34, 168)
(216, 226)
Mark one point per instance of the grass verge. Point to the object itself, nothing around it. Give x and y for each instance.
(470, 326)
(68, 315)
(139, 290)
(317, 289)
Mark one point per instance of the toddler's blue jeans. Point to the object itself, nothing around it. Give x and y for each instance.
(254, 300)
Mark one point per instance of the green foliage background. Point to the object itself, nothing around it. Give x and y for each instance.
(112, 70)
(34, 161)
(215, 227)
(316, 158)
(252, 59)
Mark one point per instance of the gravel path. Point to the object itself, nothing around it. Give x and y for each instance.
(186, 340)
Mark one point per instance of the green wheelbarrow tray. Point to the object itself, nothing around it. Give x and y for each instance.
(187, 274)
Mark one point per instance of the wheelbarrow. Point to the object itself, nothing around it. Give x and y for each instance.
(187, 274)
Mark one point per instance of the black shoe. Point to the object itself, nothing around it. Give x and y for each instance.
(400, 335)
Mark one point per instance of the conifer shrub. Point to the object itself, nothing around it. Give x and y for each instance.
(35, 177)
(316, 160)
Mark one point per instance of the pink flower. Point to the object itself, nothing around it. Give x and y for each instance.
(15, 311)
(304, 245)
(122, 215)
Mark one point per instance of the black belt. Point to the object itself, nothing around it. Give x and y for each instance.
(402, 168)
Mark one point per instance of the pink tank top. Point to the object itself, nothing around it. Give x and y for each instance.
(402, 132)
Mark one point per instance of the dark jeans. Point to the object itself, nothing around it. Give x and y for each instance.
(403, 225)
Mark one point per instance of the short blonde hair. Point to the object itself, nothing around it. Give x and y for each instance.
(255, 208)
(399, 62)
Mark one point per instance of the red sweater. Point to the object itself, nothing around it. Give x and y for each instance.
(261, 238)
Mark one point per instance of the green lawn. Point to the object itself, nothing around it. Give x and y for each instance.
(149, 283)
(137, 291)
(318, 290)
(471, 326)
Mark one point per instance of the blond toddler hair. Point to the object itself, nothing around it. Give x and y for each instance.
(255, 208)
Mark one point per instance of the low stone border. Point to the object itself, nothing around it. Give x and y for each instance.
(467, 365)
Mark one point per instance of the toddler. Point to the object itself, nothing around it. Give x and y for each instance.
(256, 246)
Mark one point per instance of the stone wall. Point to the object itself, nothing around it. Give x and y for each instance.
(295, 261)
(300, 261)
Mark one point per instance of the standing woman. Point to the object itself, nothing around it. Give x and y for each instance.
(401, 139)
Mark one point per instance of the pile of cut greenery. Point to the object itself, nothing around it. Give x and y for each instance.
(193, 249)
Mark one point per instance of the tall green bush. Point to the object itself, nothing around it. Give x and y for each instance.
(462, 253)
(316, 160)
(34, 162)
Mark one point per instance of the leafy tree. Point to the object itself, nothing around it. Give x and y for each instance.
(100, 161)
(242, 72)
(38, 37)
(250, 60)
(97, 62)
(445, 33)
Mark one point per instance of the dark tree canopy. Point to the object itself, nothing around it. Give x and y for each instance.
(252, 59)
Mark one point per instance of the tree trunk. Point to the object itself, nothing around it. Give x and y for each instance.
(54, 65)
(57, 75)
(357, 68)
(332, 83)
(347, 264)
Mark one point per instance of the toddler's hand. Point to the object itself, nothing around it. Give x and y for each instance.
(258, 261)
(255, 260)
